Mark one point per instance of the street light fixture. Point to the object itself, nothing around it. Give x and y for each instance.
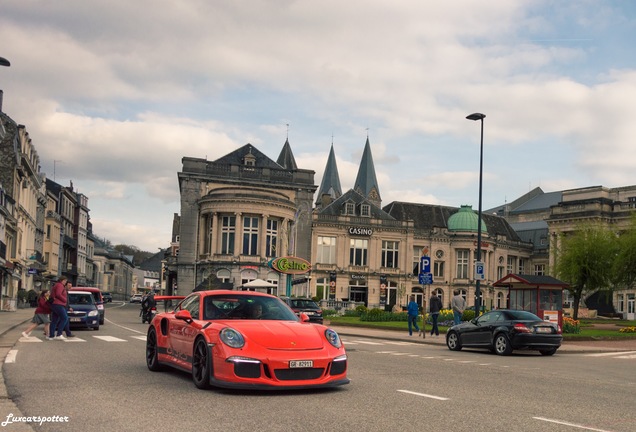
(475, 117)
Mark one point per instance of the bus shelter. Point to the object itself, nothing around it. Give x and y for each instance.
(540, 294)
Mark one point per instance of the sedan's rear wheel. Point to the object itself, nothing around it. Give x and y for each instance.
(201, 365)
(548, 352)
(452, 341)
(502, 344)
(151, 351)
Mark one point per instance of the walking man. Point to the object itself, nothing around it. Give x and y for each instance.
(413, 311)
(458, 304)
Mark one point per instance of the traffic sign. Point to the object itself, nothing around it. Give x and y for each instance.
(426, 278)
(425, 262)
(479, 270)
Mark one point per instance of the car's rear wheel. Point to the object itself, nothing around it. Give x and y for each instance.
(201, 365)
(548, 352)
(152, 361)
(452, 341)
(502, 345)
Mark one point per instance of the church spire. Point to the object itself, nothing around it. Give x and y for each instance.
(366, 183)
(330, 188)
(286, 157)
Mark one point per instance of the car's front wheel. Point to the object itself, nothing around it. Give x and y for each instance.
(201, 364)
(502, 345)
(452, 341)
(152, 361)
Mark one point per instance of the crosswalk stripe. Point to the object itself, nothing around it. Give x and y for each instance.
(29, 339)
(110, 339)
(607, 354)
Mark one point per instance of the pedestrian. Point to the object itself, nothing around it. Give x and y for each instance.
(413, 311)
(458, 304)
(41, 314)
(435, 306)
(67, 327)
(58, 310)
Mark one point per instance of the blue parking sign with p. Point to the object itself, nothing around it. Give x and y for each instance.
(425, 264)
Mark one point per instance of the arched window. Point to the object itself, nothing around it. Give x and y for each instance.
(501, 300)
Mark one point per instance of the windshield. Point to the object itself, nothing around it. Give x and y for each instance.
(523, 315)
(302, 303)
(78, 299)
(246, 307)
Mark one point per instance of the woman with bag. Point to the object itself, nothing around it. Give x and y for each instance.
(41, 315)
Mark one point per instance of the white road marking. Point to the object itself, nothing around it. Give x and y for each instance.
(399, 354)
(467, 361)
(126, 328)
(399, 343)
(384, 352)
(10, 358)
(74, 339)
(110, 339)
(29, 339)
(423, 395)
(485, 364)
(627, 356)
(368, 342)
(143, 338)
(606, 354)
(569, 424)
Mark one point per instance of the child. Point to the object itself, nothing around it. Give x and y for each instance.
(41, 315)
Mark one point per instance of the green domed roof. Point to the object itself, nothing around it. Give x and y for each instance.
(465, 220)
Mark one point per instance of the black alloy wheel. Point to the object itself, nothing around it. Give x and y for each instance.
(453, 342)
(201, 365)
(152, 360)
(502, 345)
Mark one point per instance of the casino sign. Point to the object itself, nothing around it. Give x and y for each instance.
(290, 265)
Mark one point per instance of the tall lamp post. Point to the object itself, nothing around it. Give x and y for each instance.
(479, 116)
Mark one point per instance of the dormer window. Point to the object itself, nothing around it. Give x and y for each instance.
(350, 209)
(365, 210)
(249, 160)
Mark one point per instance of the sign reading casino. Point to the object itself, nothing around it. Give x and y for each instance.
(290, 265)
(360, 231)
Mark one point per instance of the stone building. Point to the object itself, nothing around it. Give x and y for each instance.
(237, 213)
(370, 254)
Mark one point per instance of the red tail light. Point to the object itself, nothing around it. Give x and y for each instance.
(559, 331)
(521, 328)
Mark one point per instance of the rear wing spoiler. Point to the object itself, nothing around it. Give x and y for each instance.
(159, 298)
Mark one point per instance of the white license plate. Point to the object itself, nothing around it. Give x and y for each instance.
(75, 319)
(301, 364)
(544, 330)
(309, 313)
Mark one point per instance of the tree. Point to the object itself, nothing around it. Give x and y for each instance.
(625, 264)
(585, 261)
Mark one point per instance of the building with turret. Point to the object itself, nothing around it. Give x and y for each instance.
(237, 213)
(372, 254)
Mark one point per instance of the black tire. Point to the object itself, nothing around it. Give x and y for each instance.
(452, 341)
(502, 345)
(201, 362)
(548, 352)
(152, 361)
(101, 322)
(96, 328)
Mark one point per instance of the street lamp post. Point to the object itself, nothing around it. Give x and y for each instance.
(479, 116)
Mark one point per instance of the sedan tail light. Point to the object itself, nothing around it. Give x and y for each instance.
(521, 328)
(559, 331)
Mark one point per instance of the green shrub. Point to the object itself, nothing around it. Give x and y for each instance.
(378, 315)
(351, 313)
(468, 315)
(329, 312)
(361, 309)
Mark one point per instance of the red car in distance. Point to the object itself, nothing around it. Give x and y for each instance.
(245, 340)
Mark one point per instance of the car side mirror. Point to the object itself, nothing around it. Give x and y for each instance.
(184, 315)
(303, 317)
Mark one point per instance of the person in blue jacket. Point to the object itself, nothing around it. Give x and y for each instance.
(413, 311)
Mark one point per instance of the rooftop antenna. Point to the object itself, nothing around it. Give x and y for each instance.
(287, 131)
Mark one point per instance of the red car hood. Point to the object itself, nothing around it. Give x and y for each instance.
(283, 335)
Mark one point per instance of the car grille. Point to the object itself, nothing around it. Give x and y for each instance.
(298, 374)
(76, 314)
(338, 367)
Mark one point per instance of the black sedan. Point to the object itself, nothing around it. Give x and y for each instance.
(502, 331)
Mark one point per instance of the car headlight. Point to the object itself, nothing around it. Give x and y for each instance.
(93, 313)
(333, 338)
(232, 338)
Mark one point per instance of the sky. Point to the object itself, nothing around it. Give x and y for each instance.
(114, 93)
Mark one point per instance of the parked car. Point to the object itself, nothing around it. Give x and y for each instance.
(84, 313)
(245, 340)
(306, 305)
(136, 298)
(108, 297)
(504, 330)
(97, 297)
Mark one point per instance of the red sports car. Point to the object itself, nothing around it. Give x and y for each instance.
(245, 340)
